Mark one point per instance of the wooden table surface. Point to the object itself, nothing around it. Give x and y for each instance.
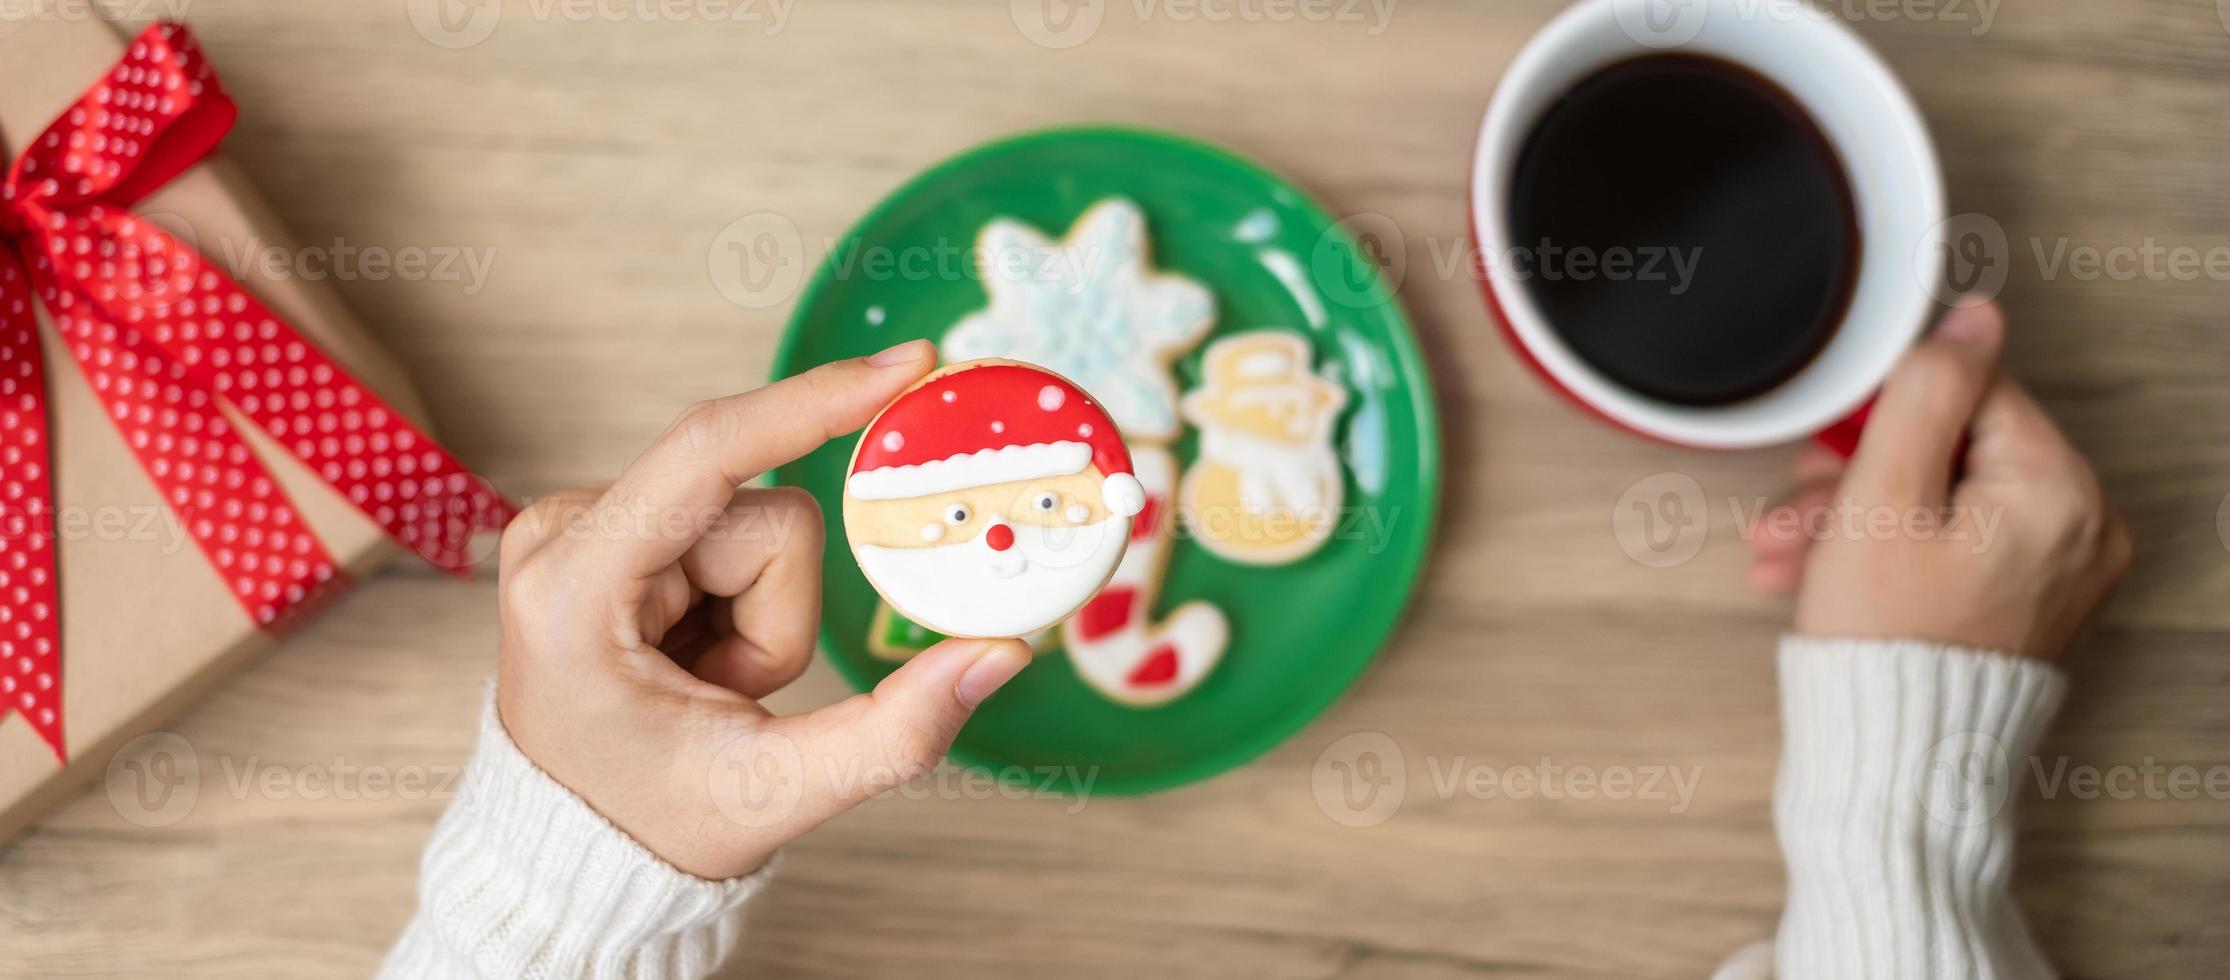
(596, 160)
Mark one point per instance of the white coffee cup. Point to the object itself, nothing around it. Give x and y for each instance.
(1866, 114)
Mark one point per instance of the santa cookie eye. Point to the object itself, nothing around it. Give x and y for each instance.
(956, 514)
(1046, 502)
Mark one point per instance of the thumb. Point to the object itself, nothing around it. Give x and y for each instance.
(872, 742)
(1906, 455)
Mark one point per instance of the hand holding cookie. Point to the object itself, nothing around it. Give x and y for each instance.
(641, 625)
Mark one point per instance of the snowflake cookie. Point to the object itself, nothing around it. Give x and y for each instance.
(1092, 308)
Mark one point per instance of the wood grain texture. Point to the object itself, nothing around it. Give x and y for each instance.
(596, 161)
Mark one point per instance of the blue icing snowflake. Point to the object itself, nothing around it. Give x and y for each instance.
(1089, 307)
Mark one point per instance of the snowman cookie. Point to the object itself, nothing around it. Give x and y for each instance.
(1267, 487)
(992, 499)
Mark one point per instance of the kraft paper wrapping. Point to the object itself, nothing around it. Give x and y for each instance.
(147, 624)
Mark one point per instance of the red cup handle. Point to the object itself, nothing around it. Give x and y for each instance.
(1842, 437)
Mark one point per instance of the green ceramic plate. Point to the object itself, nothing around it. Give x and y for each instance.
(1273, 258)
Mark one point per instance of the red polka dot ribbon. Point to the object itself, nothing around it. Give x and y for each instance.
(167, 342)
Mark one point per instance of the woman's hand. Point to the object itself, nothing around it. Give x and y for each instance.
(2009, 549)
(642, 623)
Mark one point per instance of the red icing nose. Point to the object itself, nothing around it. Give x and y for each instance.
(1000, 537)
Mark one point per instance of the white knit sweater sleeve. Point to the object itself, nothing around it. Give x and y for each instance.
(1894, 811)
(523, 880)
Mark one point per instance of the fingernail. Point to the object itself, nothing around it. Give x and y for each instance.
(1966, 323)
(908, 352)
(991, 673)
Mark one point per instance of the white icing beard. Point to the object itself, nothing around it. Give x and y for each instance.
(1274, 474)
(971, 589)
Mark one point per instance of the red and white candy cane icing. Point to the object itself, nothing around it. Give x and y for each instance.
(1113, 642)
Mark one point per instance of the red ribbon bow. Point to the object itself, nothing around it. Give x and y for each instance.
(164, 338)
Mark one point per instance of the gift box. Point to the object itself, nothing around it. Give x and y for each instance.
(189, 463)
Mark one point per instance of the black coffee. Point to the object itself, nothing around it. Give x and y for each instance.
(1730, 207)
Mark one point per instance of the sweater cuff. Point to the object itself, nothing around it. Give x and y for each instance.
(522, 878)
(1894, 808)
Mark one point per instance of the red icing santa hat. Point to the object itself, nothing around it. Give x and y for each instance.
(992, 423)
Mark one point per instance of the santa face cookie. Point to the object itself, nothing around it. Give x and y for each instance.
(992, 499)
(1267, 487)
